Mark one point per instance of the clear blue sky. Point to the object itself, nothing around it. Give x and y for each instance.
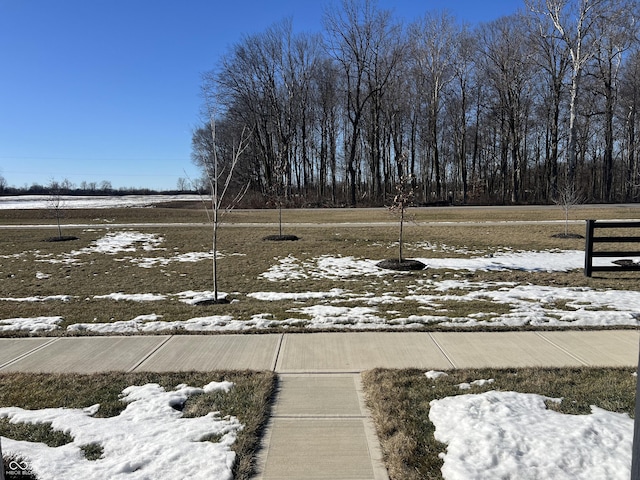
(99, 90)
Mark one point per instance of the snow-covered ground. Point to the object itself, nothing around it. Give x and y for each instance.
(515, 304)
(150, 439)
(514, 435)
(29, 202)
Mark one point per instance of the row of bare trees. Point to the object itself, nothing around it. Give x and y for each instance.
(510, 111)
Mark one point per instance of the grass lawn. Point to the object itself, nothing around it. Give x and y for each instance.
(194, 212)
(33, 267)
(249, 400)
(399, 402)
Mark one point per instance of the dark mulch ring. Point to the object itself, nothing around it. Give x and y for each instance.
(567, 235)
(404, 265)
(281, 238)
(64, 238)
(212, 301)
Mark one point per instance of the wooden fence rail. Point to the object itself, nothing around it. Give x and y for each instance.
(590, 253)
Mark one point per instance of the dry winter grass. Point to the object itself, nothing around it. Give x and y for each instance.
(399, 402)
(24, 256)
(194, 212)
(249, 400)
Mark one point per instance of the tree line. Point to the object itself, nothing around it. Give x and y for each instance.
(517, 110)
(66, 187)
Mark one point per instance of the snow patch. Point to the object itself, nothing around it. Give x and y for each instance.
(49, 298)
(513, 435)
(33, 325)
(132, 297)
(149, 439)
(475, 383)
(434, 375)
(275, 296)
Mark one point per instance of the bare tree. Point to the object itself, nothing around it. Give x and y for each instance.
(508, 69)
(616, 30)
(523, 103)
(56, 203)
(327, 112)
(567, 199)
(405, 190)
(365, 43)
(574, 22)
(630, 103)
(402, 200)
(276, 195)
(459, 101)
(434, 46)
(106, 186)
(182, 184)
(552, 58)
(67, 185)
(219, 173)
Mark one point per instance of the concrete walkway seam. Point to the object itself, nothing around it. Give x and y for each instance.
(443, 351)
(276, 355)
(575, 357)
(147, 356)
(30, 352)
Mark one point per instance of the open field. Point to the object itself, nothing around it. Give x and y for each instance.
(193, 211)
(128, 279)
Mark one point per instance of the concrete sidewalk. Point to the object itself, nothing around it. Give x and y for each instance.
(320, 427)
(320, 352)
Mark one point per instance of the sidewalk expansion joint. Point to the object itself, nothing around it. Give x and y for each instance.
(443, 351)
(562, 349)
(276, 357)
(147, 356)
(30, 352)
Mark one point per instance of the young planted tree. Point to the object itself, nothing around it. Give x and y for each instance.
(218, 174)
(405, 190)
(277, 196)
(56, 203)
(56, 206)
(567, 199)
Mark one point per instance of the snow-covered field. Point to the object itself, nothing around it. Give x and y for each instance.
(150, 439)
(526, 304)
(23, 202)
